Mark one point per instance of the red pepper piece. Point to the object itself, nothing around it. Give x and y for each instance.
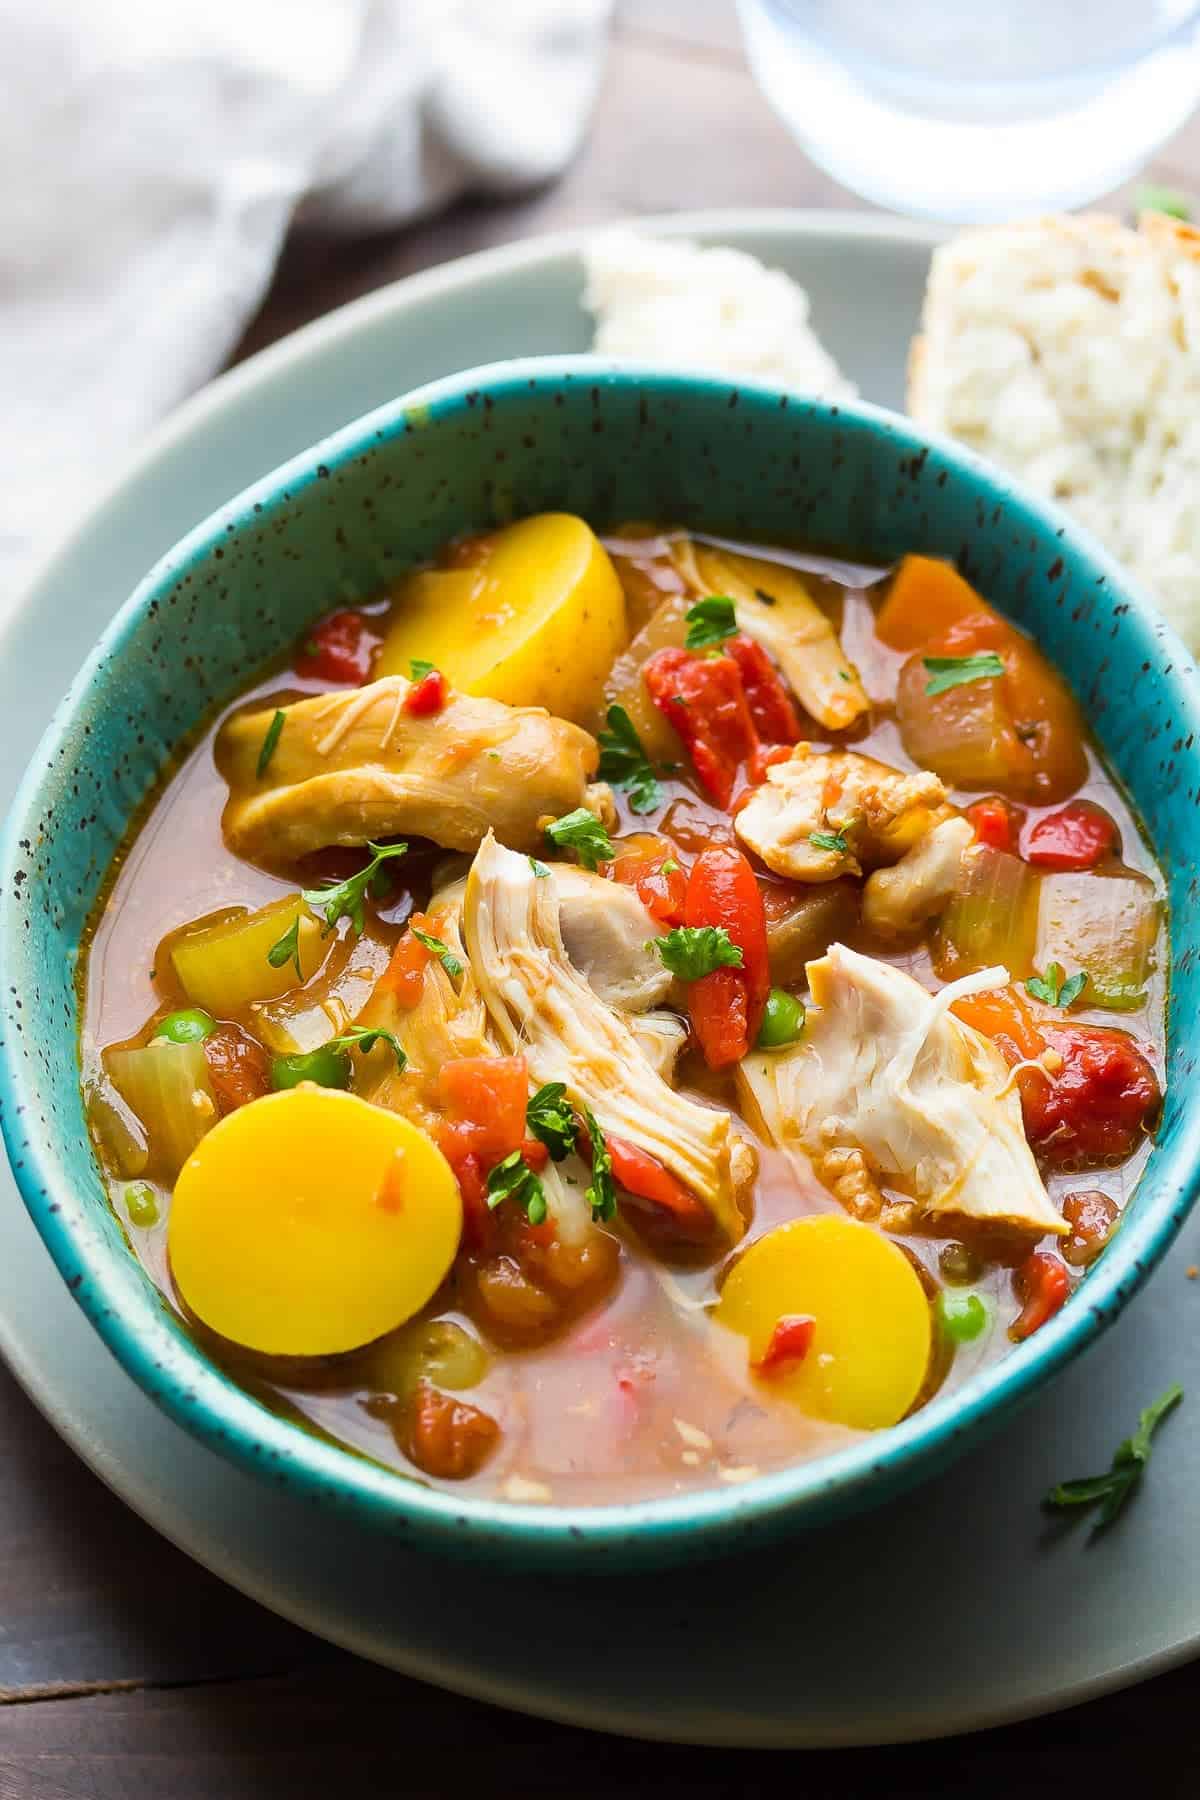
(427, 696)
(661, 891)
(775, 717)
(1077, 836)
(1042, 1284)
(997, 823)
(643, 1176)
(703, 698)
(486, 1097)
(727, 1005)
(789, 1344)
(338, 648)
(405, 974)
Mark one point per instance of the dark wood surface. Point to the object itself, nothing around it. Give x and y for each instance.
(127, 1672)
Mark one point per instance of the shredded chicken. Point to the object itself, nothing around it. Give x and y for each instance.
(874, 812)
(538, 1003)
(884, 1069)
(773, 606)
(903, 898)
(660, 1037)
(354, 765)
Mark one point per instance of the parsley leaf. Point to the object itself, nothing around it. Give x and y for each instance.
(1053, 990)
(551, 1119)
(1128, 1465)
(582, 832)
(418, 668)
(828, 840)
(670, 867)
(710, 621)
(955, 671)
(344, 899)
(1151, 198)
(287, 950)
(691, 951)
(364, 1038)
(601, 1194)
(268, 744)
(513, 1179)
(623, 761)
(443, 952)
(539, 868)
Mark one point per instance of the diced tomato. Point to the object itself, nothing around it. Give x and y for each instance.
(238, 1067)
(703, 698)
(1093, 1094)
(775, 718)
(486, 1097)
(661, 890)
(405, 974)
(427, 696)
(643, 1176)
(726, 1006)
(997, 823)
(1077, 836)
(338, 648)
(1042, 1284)
(789, 1344)
(479, 1224)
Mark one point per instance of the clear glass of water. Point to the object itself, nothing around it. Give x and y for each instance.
(977, 109)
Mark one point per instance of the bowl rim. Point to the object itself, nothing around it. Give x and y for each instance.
(192, 1391)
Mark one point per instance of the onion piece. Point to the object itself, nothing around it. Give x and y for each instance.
(991, 917)
(1104, 924)
(168, 1087)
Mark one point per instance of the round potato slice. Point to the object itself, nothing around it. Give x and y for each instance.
(870, 1343)
(311, 1222)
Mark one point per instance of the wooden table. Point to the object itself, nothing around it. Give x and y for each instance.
(125, 1670)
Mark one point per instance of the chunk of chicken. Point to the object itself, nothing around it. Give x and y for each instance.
(538, 1003)
(885, 1070)
(876, 812)
(660, 1037)
(773, 606)
(900, 899)
(354, 765)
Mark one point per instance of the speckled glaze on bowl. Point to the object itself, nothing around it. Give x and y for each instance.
(334, 525)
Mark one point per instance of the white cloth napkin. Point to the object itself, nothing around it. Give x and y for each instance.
(154, 152)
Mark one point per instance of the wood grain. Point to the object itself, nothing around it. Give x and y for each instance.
(128, 1673)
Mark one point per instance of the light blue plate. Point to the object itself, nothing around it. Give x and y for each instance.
(973, 1643)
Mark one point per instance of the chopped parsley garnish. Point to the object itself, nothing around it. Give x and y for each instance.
(624, 762)
(670, 867)
(1111, 1491)
(955, 671)
(767, 599)
(601, 1194)
(691, 951)
(269, 742)
(584, 833)
(828, 840)
(843, 674)
(287, 950)
(364, 1038)
(344, 899)
(513, 1179)
(418, 668)
(1151, 198)
(539, 868)
(710, 621)
(443, 952)
(1052, 988)
(551, 1119)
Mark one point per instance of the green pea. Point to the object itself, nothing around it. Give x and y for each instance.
(327, 1065)
(191, 1026)
(962, 1317)
(141, 1203)
(783, 1020)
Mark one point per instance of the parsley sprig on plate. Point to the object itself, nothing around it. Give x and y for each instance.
(435, 946)
(364, 1039)
(513, 1179)
(947, 672)
(692, 951)
(584, 833)
(550, 1118)
(1110, 1491)
(624, 762)
(1054, 989)
(710, 622)
(336, 900)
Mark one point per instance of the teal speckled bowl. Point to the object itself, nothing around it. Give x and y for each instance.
(335, 525)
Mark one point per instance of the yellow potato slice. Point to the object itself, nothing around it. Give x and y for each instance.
(871, 1342)
(311, 1222)
(537, 621)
